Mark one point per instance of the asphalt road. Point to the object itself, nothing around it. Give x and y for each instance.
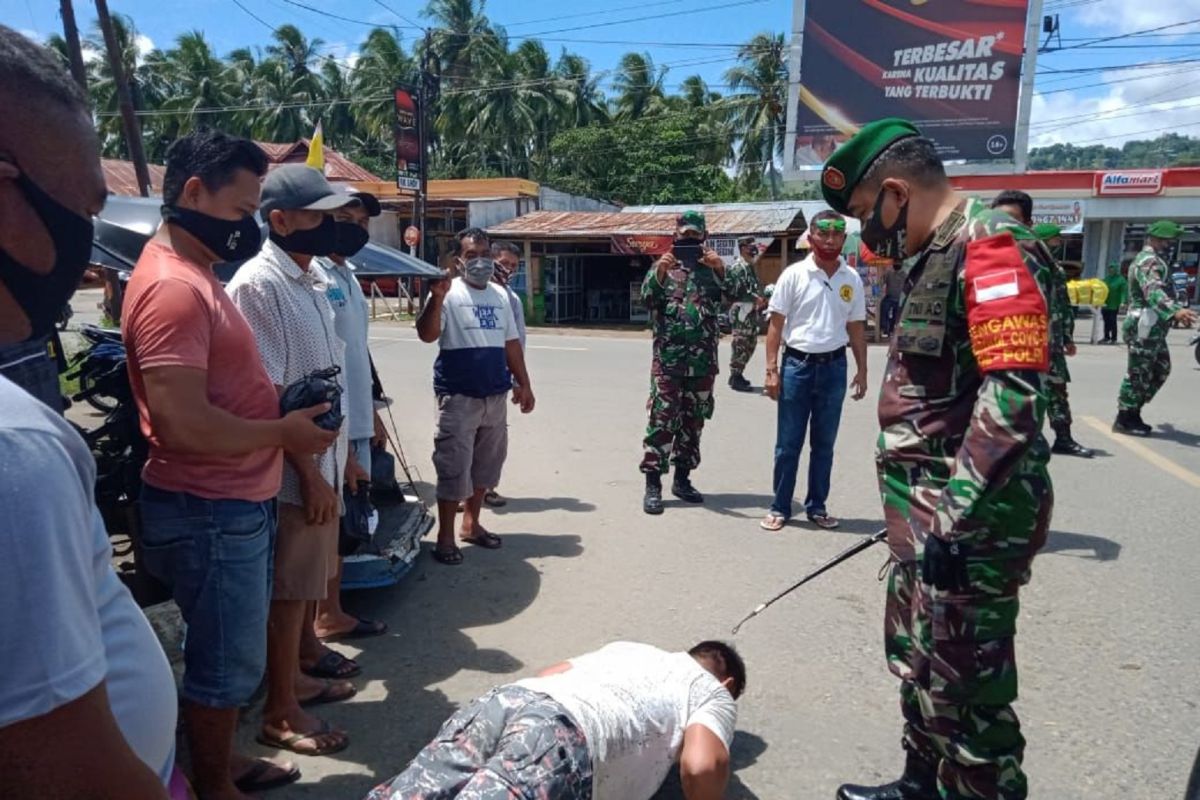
(1109, 642)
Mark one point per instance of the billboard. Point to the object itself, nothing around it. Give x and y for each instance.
(953, 67)
(408, 139)
(1067, 214)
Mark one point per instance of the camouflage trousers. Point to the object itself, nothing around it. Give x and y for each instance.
(678, 407)
(509, 744)
(1058, 406)
(953, 654)
(743, 350)
(1149, 368)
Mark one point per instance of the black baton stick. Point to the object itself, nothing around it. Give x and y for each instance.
(833, 562)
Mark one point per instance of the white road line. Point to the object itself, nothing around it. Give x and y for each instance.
(530, 347)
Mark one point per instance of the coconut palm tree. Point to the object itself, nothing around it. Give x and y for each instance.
(639, 86)
(382, 65)
(587, 104)
(758, 106)
(104, 91)
(297, 53)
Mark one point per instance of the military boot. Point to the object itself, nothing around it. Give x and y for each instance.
(683, 489)
(1065, 444)
(739, 383)
(1141, 423)
(919, 782)
(652, 501)
(1129, 424)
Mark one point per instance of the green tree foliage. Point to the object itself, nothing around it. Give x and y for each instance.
(1169, 150)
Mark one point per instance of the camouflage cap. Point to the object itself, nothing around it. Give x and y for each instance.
(693, 220)
(1046, 230)
(846, 167)
(1165, 229)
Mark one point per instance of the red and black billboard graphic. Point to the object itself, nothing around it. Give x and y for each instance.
(952, 67)
(408, 140)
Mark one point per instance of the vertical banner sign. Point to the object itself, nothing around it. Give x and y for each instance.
(953, 67)
(408, 140)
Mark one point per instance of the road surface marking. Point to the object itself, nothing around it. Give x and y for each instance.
(530, 347)
(1146, 454)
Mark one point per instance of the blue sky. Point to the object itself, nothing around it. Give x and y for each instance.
(1106, 107)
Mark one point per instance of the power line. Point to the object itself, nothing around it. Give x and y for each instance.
(1130, 35)
(400, 16)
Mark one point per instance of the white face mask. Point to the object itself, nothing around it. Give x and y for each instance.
(478, 271)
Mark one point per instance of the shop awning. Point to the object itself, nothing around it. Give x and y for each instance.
(772, 219)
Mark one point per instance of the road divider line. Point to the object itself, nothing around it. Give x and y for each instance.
(1146, 454)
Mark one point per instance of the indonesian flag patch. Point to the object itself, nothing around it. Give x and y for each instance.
(1006, 311)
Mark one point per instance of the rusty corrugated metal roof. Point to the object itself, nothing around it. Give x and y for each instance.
(121, 179)
(724, 221)
(337, 166)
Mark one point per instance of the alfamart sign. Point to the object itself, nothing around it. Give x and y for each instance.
(1128, 182)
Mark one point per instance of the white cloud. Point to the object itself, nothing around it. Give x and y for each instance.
(1121, 16)
(1134, 109)
(144, 45)
(31, 34)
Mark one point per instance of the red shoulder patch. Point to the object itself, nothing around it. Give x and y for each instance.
(1006, 312)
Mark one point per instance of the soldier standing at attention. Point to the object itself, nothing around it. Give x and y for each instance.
(1151, 310)
(741, 283)
(683, 294)
(961, 459)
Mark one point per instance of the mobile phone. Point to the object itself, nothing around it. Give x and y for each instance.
(686, 253)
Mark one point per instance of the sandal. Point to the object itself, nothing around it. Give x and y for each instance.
(773, 522)
(331, 692)
(291, 741)
(486, 540)
(493, 499)
(824, 521)
(255, 779)
(451, 558)
(333, 665)
(363, 629)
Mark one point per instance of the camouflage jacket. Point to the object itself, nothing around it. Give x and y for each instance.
(683, 315)
(742, 289)
(1062, 323)
(1149, 293)
(960, 452)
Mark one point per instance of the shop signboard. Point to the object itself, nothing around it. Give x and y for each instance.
(1067, 214)
(407, 133)
(641, 245)
(1116, 183)
(727, 249)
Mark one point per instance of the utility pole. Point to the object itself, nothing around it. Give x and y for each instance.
(426, 100)
(133, 133)
(74, 51)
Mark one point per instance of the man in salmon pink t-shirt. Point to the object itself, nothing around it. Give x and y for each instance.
(211, 416)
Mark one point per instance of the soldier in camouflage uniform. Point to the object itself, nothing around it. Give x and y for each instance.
(684, 298)
(1019, 206)
(1151, 310)
(961, 459)
(741, 284)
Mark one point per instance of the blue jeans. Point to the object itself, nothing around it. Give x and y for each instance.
(216, 555)
(887, 314)
(808, 391)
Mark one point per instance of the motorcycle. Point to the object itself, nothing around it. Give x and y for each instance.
(1194, 342)
(104, 354)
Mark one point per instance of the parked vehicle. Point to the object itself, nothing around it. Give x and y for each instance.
(1194, 343)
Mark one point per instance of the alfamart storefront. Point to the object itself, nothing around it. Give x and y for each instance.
(1105, 213)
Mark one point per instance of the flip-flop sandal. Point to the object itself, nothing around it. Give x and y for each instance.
(363, 629)
(329, 693)
(451, 558)
(254, 780)
(823, 521)
(489, 541)
(289, 742)
(773, 523)
(494, 500)
(332, 665)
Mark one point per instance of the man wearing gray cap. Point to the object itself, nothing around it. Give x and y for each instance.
(282, 294)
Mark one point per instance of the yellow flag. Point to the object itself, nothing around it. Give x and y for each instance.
(316, 150)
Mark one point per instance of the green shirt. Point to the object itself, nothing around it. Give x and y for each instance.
(1118, 291)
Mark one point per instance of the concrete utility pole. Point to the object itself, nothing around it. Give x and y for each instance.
(133, 133)
(74, 51)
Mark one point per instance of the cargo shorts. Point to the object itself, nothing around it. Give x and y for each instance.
(470, 444)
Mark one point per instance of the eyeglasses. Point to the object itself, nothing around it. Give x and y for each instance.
(828, 225)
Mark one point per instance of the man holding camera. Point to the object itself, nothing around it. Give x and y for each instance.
(683, 292)
(741, 282)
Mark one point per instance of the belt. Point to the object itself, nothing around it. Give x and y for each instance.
(816, 358)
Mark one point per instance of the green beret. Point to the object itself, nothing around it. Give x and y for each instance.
(1046, 230)
(1165, 229)
(846, 167)
(692, 219)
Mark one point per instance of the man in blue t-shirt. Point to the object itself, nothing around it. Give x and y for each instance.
(480, 353)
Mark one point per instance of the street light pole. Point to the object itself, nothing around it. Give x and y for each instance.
(133, 133)
(74, 50)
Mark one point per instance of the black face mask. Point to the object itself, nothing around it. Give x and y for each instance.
(319, 241)
(42, 297)
(350, 238)
(229, 240)
(886, 242)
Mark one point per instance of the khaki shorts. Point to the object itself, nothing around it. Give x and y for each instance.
(305, 556)
(470, 445)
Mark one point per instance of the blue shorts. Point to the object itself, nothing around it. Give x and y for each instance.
(216, 556)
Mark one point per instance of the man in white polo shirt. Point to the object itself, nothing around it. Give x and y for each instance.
(818, 307)
(480, 354)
